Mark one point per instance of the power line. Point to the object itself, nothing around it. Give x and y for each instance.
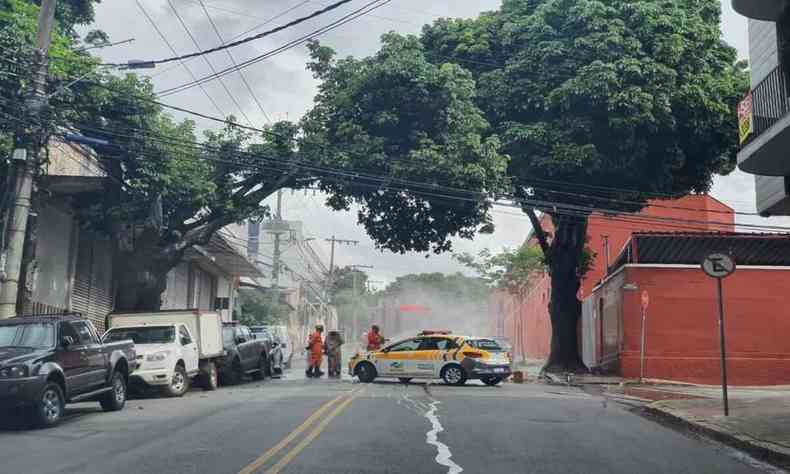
(173, 50)
(209, 63)
(233, 44)
(233, 60)
(369, 7)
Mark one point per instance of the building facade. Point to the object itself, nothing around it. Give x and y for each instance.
(681, 320)
(764, 114)
(523, 318)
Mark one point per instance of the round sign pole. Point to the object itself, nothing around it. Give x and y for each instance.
(645, 303)
(720, 266)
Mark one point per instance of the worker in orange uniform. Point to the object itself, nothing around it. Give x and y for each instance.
(315, 349)
(375, 339)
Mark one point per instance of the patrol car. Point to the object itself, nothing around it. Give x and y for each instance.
(435, 354)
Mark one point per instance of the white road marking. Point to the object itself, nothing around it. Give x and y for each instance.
(443, 456)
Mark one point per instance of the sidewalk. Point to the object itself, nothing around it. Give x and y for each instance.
(759, 421)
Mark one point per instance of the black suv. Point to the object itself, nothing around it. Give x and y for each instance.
(47, 361)
(244, 354)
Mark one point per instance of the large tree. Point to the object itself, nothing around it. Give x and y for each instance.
(588, 98)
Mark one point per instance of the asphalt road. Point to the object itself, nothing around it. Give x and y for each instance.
(295, 425)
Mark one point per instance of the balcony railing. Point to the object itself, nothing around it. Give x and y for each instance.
(766, 104)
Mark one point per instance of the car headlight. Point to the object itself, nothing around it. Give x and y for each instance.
(157, 356)
(13, 372)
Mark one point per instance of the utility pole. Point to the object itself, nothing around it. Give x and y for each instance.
(334, 241)
(355, 296)
(25, 164)
(278, 217)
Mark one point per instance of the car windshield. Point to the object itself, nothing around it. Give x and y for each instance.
(485, 344)
(32, 335)
(142, 335)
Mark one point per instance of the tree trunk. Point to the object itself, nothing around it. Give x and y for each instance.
(567, 247)
(141, 281)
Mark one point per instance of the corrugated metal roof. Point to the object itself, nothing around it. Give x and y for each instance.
(692, 247)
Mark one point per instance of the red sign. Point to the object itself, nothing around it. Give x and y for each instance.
(645, 299)
(413, 308)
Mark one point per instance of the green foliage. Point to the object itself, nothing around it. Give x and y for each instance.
(510, 269)
(395, 114)
(622, 93)
(254, 310)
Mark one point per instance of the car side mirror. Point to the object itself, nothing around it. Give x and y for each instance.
(240, 340)
(185, 341)
(67, 341)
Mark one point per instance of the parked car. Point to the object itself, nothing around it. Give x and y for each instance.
(173, 347)
(280, 334)
(168, 355)
(244, 354)
(273, 349)
(49, 361)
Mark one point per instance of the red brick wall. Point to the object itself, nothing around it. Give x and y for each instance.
(527, 321)
(682, 340)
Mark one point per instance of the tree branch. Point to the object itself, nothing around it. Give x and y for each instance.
(540, 233)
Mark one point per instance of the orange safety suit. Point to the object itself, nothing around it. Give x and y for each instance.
(375, 340)
(316, 348)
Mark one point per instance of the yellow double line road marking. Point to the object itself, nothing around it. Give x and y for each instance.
(290, 455)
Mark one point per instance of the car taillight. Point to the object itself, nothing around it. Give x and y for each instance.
(473, 355)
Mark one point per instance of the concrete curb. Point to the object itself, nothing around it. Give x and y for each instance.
(759, 449)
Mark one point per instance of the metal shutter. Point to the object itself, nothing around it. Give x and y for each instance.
(92, 294)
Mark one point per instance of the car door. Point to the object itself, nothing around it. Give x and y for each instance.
(72, 360)
(428, 356)
(247, 352)
(189, 349)
(93, 353)
(397, 359)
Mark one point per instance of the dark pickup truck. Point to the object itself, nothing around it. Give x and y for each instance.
(244, 354)
(48, 361)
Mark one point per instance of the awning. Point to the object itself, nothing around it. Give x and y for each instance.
(414, 308)
(226, 256)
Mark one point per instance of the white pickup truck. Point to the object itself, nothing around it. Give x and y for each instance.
(173, 347)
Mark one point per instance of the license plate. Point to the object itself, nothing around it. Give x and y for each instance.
(499, 370)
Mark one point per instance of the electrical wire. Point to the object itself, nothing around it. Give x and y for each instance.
(209, 63)
(233, 44)
(369, 7)
(173, 50)
(233, 60)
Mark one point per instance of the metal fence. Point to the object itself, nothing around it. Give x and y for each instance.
(770, 102)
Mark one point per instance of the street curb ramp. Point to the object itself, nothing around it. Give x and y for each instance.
(767, 451)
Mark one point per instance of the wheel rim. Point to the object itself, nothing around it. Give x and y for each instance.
(453, 375)
(178, 381)
(51, 404)
(363, 371)
(120, 390)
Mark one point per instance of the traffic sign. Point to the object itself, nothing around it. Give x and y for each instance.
(645, 299)
(718, 265)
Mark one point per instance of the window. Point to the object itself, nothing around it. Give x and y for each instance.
(408, 345)
(27, 335)
(185, 338)
(142, 335)
(437, 344)
(485, 345)
(67, 330)
(228, 335)
(84, 331)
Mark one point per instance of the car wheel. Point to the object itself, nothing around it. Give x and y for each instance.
(405, 379)
(365, 372)
(209, 379)
(235, 374)
(263, 369)
(115, 399)
(491, 381)
(179, 383)
(454, 375)
(48, 408)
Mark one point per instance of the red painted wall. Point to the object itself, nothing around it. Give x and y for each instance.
(682, 340)
(527, 320)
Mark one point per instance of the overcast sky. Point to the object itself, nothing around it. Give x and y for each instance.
(285, 91)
